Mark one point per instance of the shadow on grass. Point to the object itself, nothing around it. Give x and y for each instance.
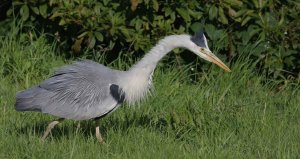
(70, 128)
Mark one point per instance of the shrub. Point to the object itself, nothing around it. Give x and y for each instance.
(268, 31)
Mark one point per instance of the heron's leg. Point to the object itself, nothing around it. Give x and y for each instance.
(98, 134)
(50, 127)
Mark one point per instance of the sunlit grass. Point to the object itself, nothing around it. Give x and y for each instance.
(217, 115)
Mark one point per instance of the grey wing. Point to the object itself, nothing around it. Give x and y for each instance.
(80, 91)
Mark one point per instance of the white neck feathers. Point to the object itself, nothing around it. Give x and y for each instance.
(138, 80)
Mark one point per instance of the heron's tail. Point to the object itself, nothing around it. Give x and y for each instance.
(26, 100)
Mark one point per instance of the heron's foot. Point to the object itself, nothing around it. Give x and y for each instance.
(98, 135)
(50, 127)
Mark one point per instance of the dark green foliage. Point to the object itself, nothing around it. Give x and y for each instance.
(266, 30)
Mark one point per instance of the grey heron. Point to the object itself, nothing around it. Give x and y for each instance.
(88, 90)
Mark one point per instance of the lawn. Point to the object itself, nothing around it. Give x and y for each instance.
(219, 115)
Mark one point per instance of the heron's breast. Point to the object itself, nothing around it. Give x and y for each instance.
(136, 87)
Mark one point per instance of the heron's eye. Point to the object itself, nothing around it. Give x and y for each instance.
(202, 49)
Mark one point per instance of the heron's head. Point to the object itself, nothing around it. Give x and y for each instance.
(200, 48)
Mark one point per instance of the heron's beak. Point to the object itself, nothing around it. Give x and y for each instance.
(214, 59)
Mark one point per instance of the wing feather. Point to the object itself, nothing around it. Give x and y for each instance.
(79, 91)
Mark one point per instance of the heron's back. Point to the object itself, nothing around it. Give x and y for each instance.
(80, 91)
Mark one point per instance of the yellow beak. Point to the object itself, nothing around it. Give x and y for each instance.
(214, 59)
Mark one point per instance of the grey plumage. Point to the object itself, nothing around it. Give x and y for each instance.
(86, 89)
(83, 90)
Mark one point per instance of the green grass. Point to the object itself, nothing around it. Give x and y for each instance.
(221, 115)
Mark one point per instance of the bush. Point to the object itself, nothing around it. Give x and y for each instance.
(268, 31)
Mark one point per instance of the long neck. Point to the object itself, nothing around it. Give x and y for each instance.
(137, 79)
(150, 60)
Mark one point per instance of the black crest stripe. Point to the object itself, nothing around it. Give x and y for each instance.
(199, 39)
